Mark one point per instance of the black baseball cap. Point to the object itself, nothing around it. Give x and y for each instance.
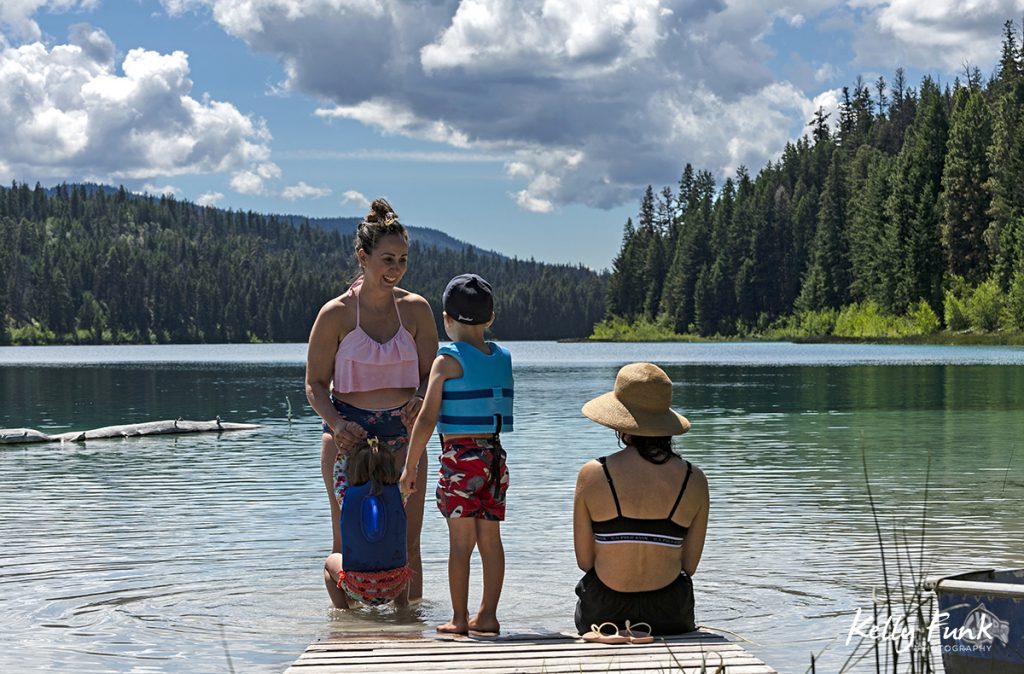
(468, 299)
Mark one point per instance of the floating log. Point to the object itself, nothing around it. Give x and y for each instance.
(15, 436)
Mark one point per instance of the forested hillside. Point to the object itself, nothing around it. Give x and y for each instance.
(905, 213)
(347, 228)
(84, 265)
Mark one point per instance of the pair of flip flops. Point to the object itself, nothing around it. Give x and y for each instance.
(608, 633)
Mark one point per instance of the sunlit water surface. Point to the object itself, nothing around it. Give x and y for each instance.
(203, 552)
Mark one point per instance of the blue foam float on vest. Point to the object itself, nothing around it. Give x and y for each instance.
(373, 529)
(374, 519)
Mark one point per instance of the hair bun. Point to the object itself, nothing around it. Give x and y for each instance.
(381, 211)
(381, 221)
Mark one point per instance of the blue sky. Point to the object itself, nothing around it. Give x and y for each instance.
(526, 126)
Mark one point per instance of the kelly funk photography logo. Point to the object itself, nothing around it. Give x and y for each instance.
(980, 629)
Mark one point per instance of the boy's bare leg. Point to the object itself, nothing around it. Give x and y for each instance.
(492, 558)
(461, 541)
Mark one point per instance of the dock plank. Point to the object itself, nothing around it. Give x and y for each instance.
(551, 653)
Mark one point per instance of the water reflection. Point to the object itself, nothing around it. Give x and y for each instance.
(176, 553)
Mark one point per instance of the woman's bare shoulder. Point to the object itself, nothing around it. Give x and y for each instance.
(414, 305)
(589, 473)
(698, 480)
(698, 474)
(339, 311)
(411, 299)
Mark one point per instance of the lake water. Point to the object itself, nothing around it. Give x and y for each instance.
(201, 553)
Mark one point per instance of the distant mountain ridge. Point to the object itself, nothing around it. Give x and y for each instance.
(425, 236)
(345, 226)
(94, 264)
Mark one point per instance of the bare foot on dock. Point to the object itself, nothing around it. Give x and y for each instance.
(484, 626)
(453, 627)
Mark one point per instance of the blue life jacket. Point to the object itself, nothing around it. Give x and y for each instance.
(480, 401)
(372, 529)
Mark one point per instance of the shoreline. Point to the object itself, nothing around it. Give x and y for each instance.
(937, 339)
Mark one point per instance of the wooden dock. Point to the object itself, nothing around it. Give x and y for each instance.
(548, 653)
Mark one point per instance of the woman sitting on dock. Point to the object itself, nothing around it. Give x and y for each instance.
(640, 514)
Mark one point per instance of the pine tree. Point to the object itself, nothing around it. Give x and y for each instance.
(847, 121)
(902, 110)
(813, 291)
(647, 211)
(655, 268)
(691, 249)
(621, 297)
(804, 221)
(867, 229)
(665, 211)
(881, 98)
(712, 301)
(686, 185)
(1005, 237)
(5, 263)
(965, 199)
(831, 252)
(819, 126)
(914, 250)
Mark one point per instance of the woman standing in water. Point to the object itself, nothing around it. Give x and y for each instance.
(369, 355)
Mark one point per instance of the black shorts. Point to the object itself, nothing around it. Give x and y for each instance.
(668, 610)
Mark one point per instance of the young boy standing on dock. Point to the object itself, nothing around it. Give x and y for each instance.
(469, 398)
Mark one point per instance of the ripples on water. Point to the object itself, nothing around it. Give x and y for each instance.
(178, 553)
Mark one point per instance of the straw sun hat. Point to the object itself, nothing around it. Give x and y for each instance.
(641, 403)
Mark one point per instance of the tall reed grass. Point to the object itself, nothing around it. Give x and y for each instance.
(903, 603)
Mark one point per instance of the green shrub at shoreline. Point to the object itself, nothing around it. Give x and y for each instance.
(968, 311)
(617, 329)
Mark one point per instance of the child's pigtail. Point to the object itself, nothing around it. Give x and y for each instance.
(381, 466)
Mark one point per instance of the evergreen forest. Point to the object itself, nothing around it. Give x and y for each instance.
(88, 265)
(903, 216)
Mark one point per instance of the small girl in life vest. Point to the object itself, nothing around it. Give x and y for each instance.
(373, 562)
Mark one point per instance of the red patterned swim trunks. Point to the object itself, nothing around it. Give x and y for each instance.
(474, 479)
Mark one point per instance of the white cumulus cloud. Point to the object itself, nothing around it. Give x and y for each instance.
(268, 171)
(354, 198)
(16, 16)
(247, 182)
(396, 119)
(528, 202)
(210, 198)
(171, 190)
(69, 111)
(930, 33)
(825, 72)
(303, 191)
(589, 100)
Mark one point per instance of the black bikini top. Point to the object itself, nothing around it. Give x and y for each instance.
(621, 529)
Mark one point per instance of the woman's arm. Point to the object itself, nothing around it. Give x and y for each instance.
(582, 531)
(425, 335)
(323, 344)
(693, 546)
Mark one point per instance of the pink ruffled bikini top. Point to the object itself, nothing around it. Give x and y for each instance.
(364, 364)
